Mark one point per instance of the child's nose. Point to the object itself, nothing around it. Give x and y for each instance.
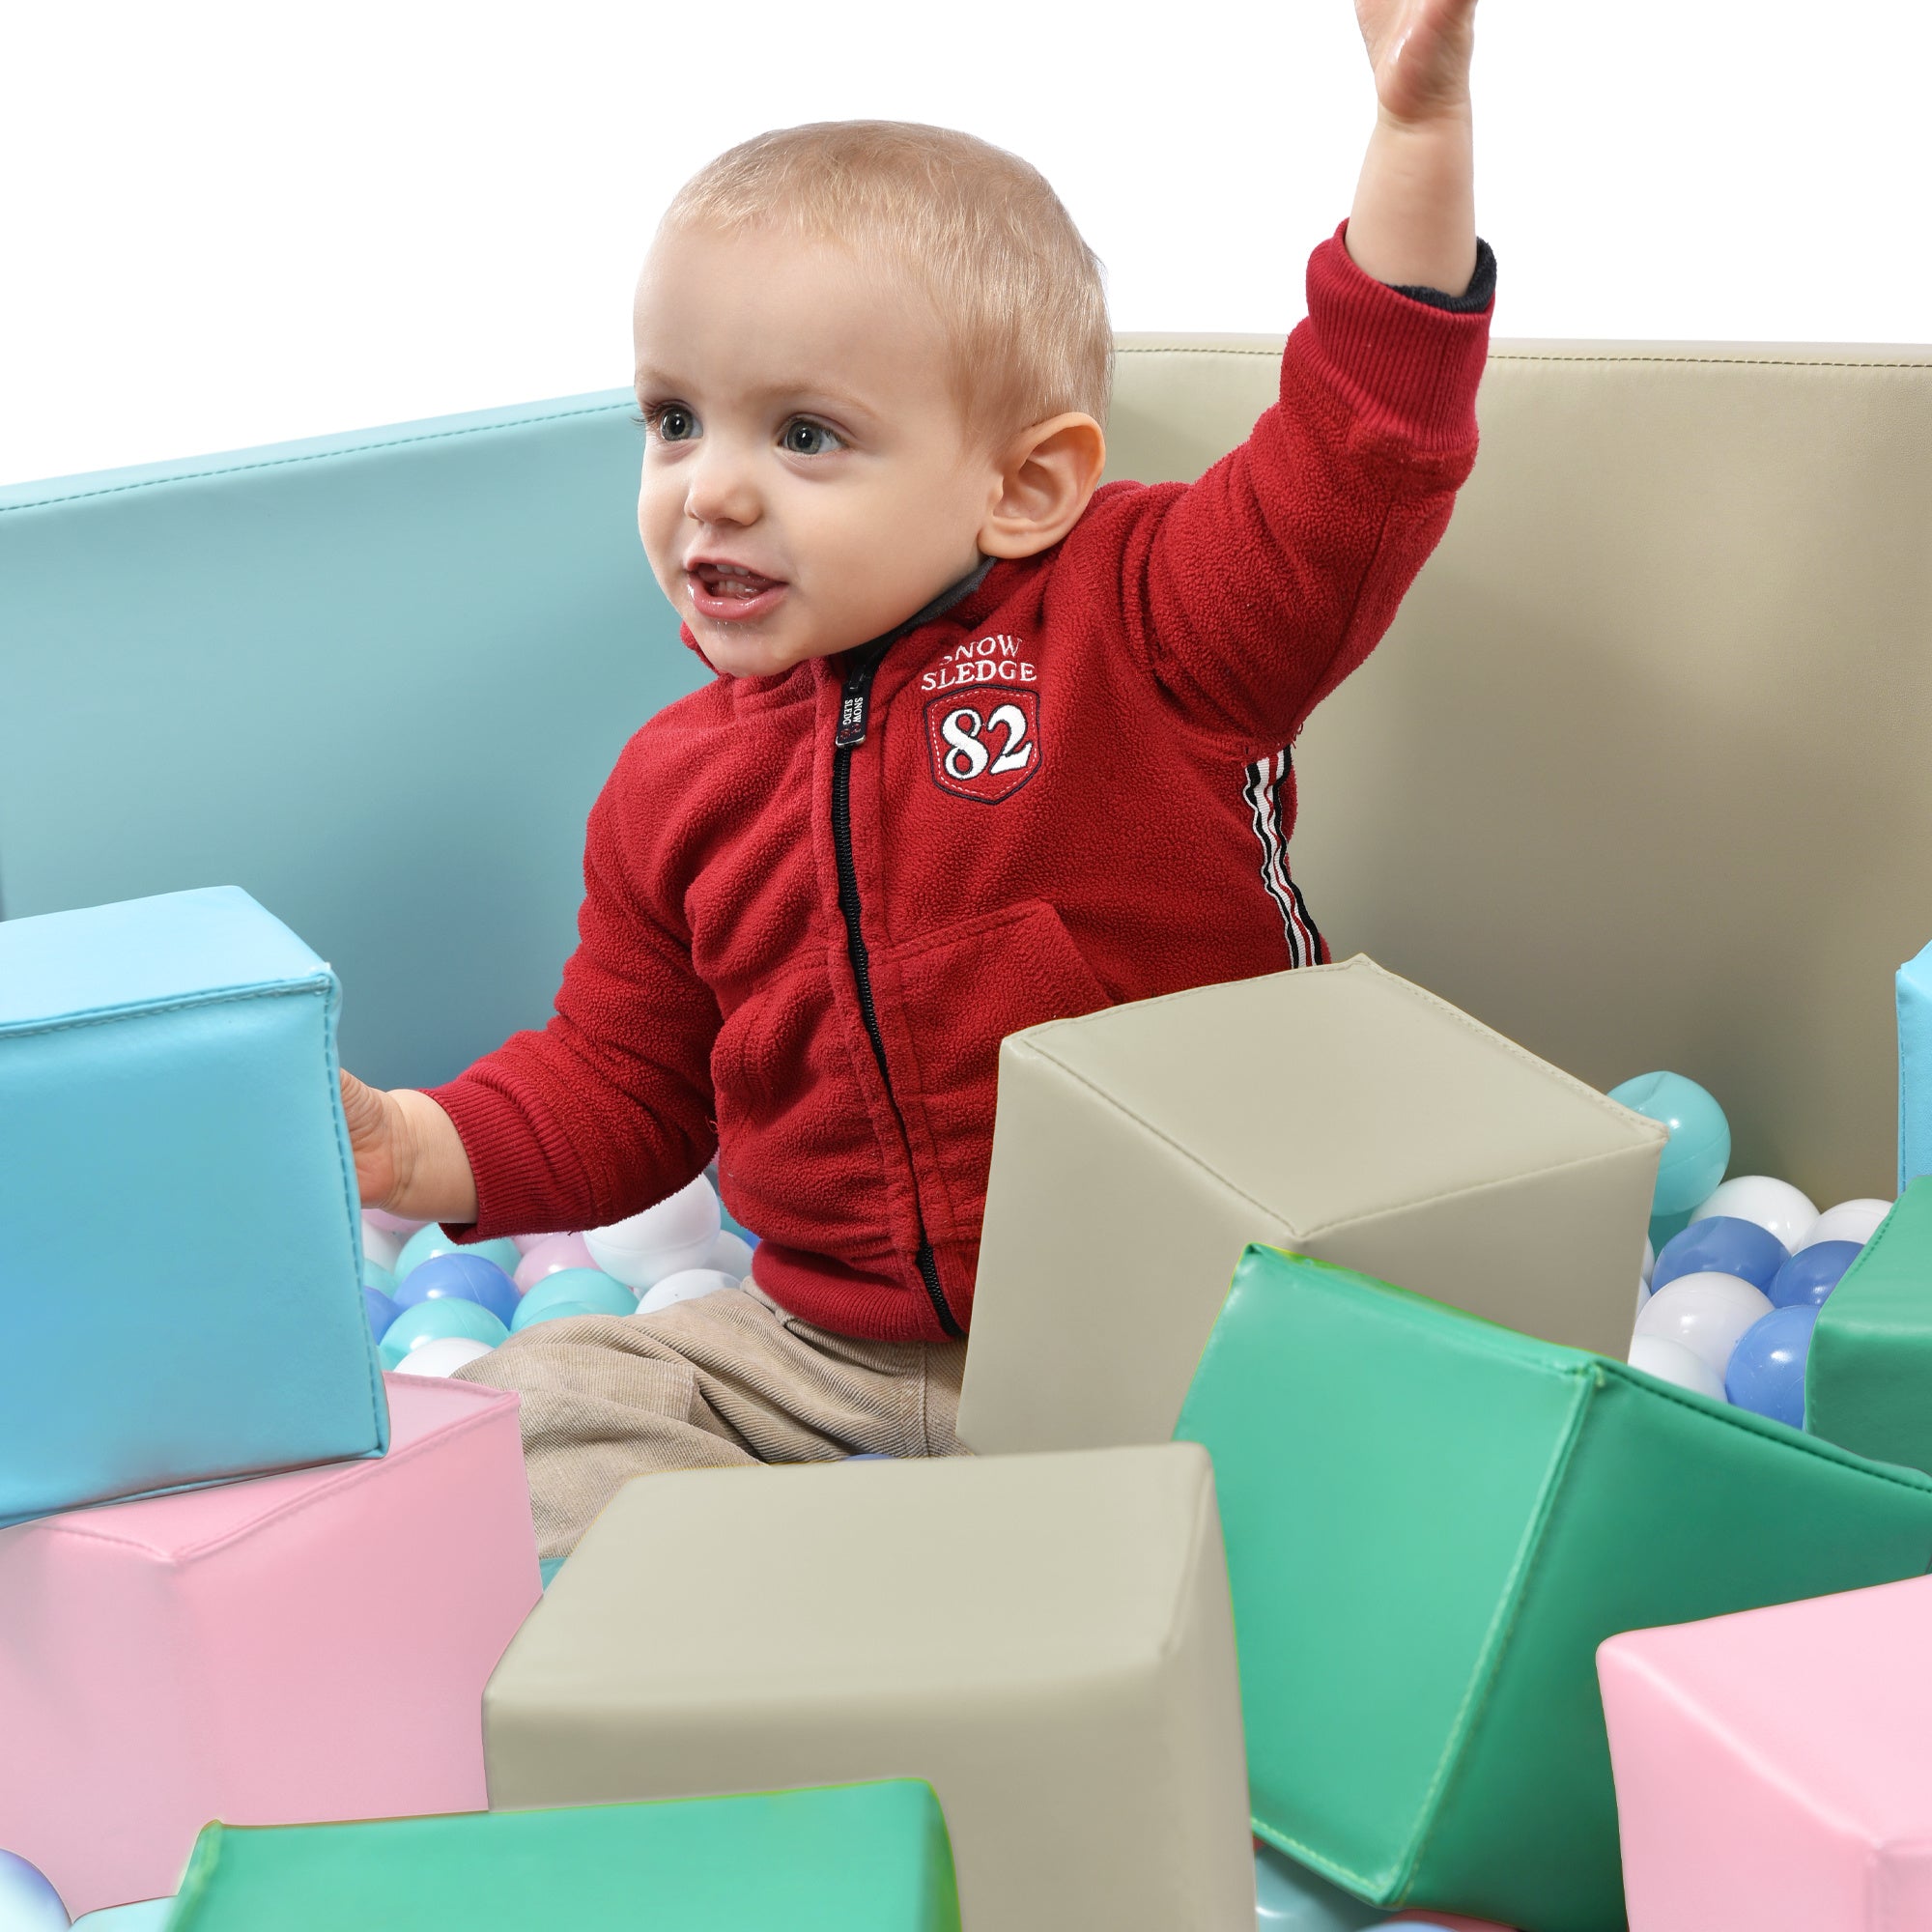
(719, 488)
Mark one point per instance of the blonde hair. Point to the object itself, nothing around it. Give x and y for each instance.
(1017, 289)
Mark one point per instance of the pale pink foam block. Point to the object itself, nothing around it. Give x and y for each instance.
(1774, 1768)
(280, 1651)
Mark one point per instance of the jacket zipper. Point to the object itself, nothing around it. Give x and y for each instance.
(851, 733)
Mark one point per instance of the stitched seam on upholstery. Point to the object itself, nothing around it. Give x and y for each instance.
(350, 1472)
(113, 1015)
(352, 1201)
(314, 456)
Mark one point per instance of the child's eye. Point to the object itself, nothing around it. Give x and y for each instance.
(802, 436)
(669, 422)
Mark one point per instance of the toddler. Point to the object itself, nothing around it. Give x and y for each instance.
(988, 745)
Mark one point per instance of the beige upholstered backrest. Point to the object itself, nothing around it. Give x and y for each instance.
(1642, 776)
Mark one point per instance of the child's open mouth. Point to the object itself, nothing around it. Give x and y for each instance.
(731, 591)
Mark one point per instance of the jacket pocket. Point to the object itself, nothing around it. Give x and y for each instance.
(959, 993)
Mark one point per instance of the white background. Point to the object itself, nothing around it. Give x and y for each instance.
(227, 224)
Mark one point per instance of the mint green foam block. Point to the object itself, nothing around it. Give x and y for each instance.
(850, 1858)
(1432, 1522)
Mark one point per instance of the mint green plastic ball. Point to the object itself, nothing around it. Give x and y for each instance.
(429, 1321)
(429, 1241)
(584, 1290)
(1699, 1148)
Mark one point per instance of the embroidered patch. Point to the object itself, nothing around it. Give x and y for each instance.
(984, 744)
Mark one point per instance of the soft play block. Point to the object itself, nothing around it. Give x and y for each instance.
(862, 1858)
(1915, 1068)
(179, 1266)
(1336, 1110)
(1432, 1522)
(1044, 1639)
(296, 1647)
(1869, 1373)
(1773, 1769)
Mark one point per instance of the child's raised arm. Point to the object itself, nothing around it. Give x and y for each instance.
(1413, 223)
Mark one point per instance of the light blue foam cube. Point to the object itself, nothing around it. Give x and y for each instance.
(181, 1296)
(1915, 1068)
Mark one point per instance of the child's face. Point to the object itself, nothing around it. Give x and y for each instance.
(808, 480)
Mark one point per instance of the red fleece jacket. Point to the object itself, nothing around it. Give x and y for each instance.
(1069, 789)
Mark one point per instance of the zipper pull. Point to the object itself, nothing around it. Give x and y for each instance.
(857, 700)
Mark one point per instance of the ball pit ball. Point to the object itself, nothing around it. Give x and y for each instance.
(730, 1254)
(1775, 1206)
(443, 1358)
(589, 1291)
(429, 1321)
(686, 1285)
(399, 1225)
(1289, 1897)
(1649, 1262)
(675, 1234)
(429, 1241)
(1672, 1362)
(1699, 1148)
(28, 1900)
(382, 1310)
(563, 1311)
(466, 1277)
(1706, 1313)
(380, 1244)
(377, 1278)
(1849, 1221)
(1765, 1374)
(1722, 1244)
(1810, 1275)
(525, 1242)
(549, 1255)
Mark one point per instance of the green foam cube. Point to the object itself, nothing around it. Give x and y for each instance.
(855, 1858)
(1868, 1380)
(1432, 1522)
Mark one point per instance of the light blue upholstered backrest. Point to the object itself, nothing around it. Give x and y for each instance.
(375, 679)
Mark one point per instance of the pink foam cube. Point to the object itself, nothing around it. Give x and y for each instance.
(1774, 1768)
(282, 1651)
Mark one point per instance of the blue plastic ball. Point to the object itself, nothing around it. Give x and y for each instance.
(28, 1901)
(1699, 1149)
(1810, 1275)
(376, 1276)
(584, 1290)
(381, 1310)
(429, 1321)
(427, 1242)
(462, 1277)
(1722, 1244)
(1766, 1373)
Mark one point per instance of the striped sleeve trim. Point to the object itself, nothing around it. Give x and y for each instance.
(1264, 789)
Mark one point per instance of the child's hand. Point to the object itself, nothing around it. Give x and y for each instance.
(1420, 52)
(374, 1136)
(409, 1156)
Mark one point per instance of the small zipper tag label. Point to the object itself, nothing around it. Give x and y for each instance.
(852, 718)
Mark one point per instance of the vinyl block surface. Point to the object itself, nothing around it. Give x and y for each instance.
(1044, 1639)
(1431, 1523)
(870, 1857)
(296, 1647)
(1915, 1068)
(1336, 1110)
(180, 1258)
(1772, 1767)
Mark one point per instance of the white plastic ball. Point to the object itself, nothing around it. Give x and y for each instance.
(686, 1285)
(28, 1901)
(381, 1245)
(441, 1357)
(730, 1254)
(1706, 1313)
(676, 1235)
(1649, 1261)
(1849, 1221)
(1672, 1362)
(1775, 1206)
(1642, 1294)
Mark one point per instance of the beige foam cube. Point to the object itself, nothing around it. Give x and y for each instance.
(1046, 1639)
(1335, 1110)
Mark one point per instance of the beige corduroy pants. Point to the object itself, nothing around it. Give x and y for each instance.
(728, 1378)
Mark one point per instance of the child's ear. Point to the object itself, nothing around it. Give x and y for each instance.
(1046, 476)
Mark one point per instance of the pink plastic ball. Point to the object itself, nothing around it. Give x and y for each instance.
(550, 1254)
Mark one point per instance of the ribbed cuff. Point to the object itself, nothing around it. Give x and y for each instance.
(1411, 367)
(519, 1188)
